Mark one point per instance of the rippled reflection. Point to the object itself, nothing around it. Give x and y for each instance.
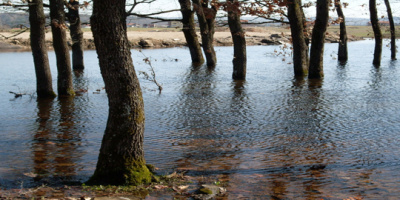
(269, 137)
(55, 144)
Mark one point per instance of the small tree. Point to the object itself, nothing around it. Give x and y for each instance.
(37, 21)
(377, 33)
(392, 31)
(206, 13)
(64, 79)
(239, 40)
(76, 34)
(318, 40)
(300, 47)
(189, 30)
(342, 51)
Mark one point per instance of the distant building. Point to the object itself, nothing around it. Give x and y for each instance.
(381, 23)
(149, 26)
(174, 24)
(131, 25)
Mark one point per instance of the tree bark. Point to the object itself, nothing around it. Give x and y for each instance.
(76, 35)
(392, 31)
(189, 30)
(239, 41)
(377, 33)
(300, 47)
(44, 86)
(206, 17)
(121, 159)
(318, 40)
(64, 79)
(342, 51)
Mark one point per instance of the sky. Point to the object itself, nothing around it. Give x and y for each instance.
(356, 8)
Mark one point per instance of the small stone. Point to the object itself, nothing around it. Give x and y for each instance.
(146, 43)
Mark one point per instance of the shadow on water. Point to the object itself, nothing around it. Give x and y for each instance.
(198, 112)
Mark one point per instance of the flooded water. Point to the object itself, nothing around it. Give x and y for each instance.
(270, 137)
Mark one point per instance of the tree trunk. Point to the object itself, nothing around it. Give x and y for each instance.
(318, 40)
(377, 33)
(342, 51)
(239, 41)
(76, 35)
(121, 159)
(189, 30)
(300, 47)
(392, 31)
(206, 17)
(37, 19)
(64, 79)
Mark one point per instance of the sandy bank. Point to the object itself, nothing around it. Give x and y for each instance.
(157, 39)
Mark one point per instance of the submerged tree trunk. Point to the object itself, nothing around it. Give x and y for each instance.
(300, 47)
(316, 69)
(239, 40)
(206, 17)
(189, 30)
(392, 31)
(76, 35)
(342, 51)
(377, 33)
(37, 19)
(121, 159)
(64, 79)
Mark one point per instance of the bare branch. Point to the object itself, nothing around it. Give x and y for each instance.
(136, 3)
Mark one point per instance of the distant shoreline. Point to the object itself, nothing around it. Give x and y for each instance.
(166, 39)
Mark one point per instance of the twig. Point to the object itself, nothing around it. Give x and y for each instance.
(151, 78)
(19, 33)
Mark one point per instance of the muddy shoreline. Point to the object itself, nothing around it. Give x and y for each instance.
(142, 39)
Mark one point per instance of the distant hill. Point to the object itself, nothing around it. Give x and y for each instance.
(14, 20)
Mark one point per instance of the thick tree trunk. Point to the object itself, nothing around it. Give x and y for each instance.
(377, 33)
(64, 79)
(300, 47)
(37, 19)
(318, 40)
(206, 17)
(121, 159)
(342, 51)
(189, 30)
(239, 41)
(392, 31)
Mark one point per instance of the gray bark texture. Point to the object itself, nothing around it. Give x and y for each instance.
(377, 33)
(121, 159)
(393, 48)
(342, 50)
(58, 29)
(37, 19)
(189, 31)
(300, 47)
(316, 69)
(206, 17)
(239, 41)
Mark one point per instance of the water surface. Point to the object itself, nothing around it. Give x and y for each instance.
(270, 136)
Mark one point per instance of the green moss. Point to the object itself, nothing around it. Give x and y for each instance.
(205, 191)
(131, 172)
(71, 92)
(137, 173)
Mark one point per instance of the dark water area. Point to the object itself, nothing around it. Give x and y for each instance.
(271, 136)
